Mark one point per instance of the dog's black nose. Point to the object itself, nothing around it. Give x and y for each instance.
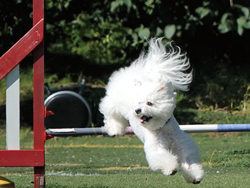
(138, 111)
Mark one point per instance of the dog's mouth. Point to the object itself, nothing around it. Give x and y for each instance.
(145, 119)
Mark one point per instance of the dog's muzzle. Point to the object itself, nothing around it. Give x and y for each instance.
(143, 118)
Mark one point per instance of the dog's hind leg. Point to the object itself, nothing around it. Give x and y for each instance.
(189, 158)
(188, 154)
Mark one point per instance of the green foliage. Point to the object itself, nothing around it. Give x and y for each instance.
(15, 21)
(169, 31)
(237, 23)
(113, 31)
(97, 37)
(108, 32)
(93, 35)
(246, 102)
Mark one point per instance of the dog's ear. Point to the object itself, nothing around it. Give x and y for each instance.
(160, 89)
(165, 86)
(161, 83)
(137, 83)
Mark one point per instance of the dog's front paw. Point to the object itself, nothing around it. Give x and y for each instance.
(196, 181)
(169, 172)
(167, 168)
(192, 173)
(173, 172)
(162, 160)
(114, 130)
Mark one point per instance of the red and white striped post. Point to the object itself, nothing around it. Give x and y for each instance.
(9, 66)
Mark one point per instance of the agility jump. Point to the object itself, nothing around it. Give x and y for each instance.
(185, 128)
(9, 66)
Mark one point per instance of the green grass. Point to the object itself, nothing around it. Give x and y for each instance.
(101, 161)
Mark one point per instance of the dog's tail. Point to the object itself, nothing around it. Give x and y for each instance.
(169, 62)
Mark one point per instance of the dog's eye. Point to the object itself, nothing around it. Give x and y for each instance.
(149, 103)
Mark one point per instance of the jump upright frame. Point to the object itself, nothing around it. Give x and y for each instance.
(32, 41)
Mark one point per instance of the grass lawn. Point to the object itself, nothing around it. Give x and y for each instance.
(101, 161)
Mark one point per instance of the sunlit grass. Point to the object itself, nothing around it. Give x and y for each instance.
(101, 161)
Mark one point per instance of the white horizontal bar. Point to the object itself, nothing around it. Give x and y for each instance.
(199, 128)
(100, 130)
(69, 130)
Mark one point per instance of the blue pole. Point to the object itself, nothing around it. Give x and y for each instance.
(233, 127)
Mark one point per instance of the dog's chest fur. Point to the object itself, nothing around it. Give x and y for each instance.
(166, 137)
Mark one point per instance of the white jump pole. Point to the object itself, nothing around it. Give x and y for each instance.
(186, 128)
(13, 110)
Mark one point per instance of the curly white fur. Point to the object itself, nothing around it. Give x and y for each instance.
(142, 96)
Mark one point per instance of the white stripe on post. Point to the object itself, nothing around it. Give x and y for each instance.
(13, 110)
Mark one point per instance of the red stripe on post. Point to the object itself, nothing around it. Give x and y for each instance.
(21, 158)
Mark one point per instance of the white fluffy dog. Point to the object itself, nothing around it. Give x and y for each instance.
(143, 96)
